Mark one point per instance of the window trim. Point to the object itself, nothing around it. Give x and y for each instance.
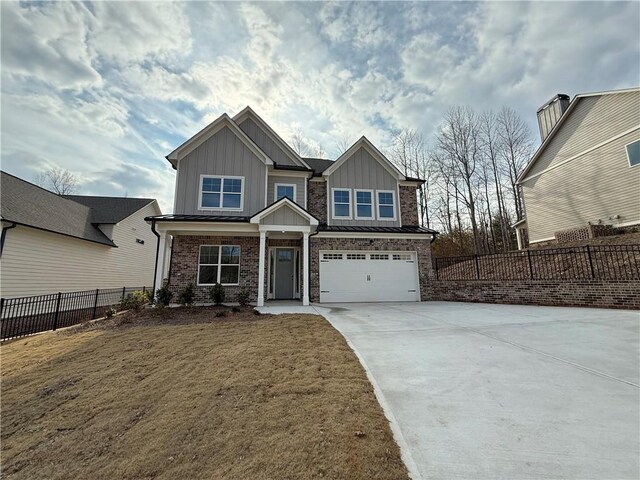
(355, 203)
(219, 265)
(275, 191)
(333, 204)
(626, 150)
(222, 178)
(393, 197)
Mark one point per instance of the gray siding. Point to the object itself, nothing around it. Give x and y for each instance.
(222, 154)
(362, 171)
(594, 120)
(268, 146)
(284, 216)
(299, 182)
(593, 187)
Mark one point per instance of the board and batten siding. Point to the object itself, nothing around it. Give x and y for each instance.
(266, 144)
(596, 186)
(362, 171)
(35, 262)
(284, 216)
(593, 120)
(299, 182)
(222, 154)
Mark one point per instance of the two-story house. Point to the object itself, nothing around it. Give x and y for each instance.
(250, 213)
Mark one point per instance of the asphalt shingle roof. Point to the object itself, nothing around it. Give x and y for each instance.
(110, 209)
(319, 165)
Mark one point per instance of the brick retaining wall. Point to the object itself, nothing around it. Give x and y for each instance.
(578, 293)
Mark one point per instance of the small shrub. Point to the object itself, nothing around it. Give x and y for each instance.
(244, 296)
(149, 294)
(220, 313)
(217, 294)
(110, 312)
(236, 309)
(164, 296)
(187, 295)
(134, 301)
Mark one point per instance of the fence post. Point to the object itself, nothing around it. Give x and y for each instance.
(436, 265)
(55, 318)
(593, 273)
(1, 306)
(95, 304)
(477, 267)
(124, 291)
(530, 265)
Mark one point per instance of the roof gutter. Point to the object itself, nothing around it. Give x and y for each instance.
(4, 235)
(155, 268)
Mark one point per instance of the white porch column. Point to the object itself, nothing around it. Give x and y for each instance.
(261, 267)
(160, 267)
(519, 238)
(305, 269)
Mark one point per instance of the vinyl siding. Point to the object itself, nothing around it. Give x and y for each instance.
(35, 262)
(593, 121)
(299, 182)
(362, 171)
(593, 187)
(284, 216)
(222, 154)
(266, 144)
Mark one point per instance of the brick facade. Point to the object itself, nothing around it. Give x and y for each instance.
(408, 205)
(422, 247)
(317, 200)
(580, 293)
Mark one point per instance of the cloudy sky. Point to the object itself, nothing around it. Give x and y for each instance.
(107, 89)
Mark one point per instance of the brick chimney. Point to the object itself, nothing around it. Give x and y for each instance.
(550, 113)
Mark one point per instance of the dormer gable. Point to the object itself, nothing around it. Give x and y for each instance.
(223, 121)
(364, 143)
(267, 139)
(284, 212)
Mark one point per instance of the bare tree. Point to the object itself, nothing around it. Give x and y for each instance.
(344, 143)
(305, 148)
(58, 180)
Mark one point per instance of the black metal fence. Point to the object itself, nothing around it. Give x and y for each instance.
(601, 262)
(28, 315)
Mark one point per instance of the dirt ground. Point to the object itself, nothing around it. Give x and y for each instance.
(183, 393)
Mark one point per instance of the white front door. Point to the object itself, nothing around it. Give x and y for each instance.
(368, 276)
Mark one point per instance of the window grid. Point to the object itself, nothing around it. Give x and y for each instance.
(221, 193)
(332, 256)
(288, 190)
(379, 256)
(219, 264)
(386, 205)
(356, 256)
(342, 203)
(364, 204)
(402, 256)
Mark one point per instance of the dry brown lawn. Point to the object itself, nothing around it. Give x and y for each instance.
(181, 394)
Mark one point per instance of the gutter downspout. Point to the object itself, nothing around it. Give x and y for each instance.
(4, 236)
(433, 237)
(308, 259)
(155, 268)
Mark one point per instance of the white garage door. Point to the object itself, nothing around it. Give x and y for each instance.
(359, 276)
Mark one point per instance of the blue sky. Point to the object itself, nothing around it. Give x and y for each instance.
(107, 89)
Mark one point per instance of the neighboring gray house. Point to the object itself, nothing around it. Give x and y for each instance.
(587, 171)
(250, 213)
(53, 243)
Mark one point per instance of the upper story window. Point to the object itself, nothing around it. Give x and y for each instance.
(633, 153)
(221, 193)
(364, 204)
(386, 205)
(285, 190)
(341, 203)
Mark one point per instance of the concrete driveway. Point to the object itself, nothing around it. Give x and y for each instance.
(483, 391)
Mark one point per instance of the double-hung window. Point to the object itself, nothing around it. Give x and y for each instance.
(633, 153)
(219, 264)
(221, 193)
(341, 203)
(364, 204)
(386, 205)
(285, 190)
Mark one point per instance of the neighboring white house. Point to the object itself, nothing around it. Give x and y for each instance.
(586, 174)
(52, 243)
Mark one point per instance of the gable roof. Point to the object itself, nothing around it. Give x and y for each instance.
(27, 204)
(284, 201)
(318, 165)
(561, 122)
(248, 112)
(209, 131)
(363, 142)
(110, 209)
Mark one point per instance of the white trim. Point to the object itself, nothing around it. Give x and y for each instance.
(519, 222)
(279, 204)
(627, 152)
(221, 208)
(363, 142)
(187, 228)
(395, 203)
(261, 259)
(628, 224)
(333, 204)
(266, 186)
(355, 204)
(284, 228)
(175, 189)
(601, 144)
(548, 239)
(275, 172)
(219, 265)
(275, 191)
(373, 235)
(305, 269)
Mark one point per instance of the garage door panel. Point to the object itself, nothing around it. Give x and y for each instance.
(368, 276)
